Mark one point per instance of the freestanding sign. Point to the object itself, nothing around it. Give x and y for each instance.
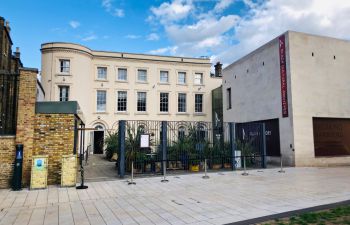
(39, 172)
(283, 73)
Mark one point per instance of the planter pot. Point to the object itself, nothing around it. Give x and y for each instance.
(217, 166)
(227, 165)
(194, 168)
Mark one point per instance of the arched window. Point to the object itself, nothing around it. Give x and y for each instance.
(181, 132)
(99, 127)
(201, 133)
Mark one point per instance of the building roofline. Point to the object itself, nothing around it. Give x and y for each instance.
(273, 40)
(91, 52)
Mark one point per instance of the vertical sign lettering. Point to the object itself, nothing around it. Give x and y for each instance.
(283, 73)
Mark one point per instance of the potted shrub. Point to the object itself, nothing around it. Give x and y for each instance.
(112, 146)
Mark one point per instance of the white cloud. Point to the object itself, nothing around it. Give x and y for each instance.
(109, 7)
(118, 13)
(222, 5)
(132, 36)
(74, 24)
(171, 12)
(153, 37)
(229, 37)
(203, 29)
(171, 50)
(270, 19)
(107, 4)
(89, 38)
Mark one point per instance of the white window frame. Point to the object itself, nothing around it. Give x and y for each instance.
(142, 81)
(101, 68)
(160, 76)
(97, 101)
(195, 78)
(60, 88)
(178, 78)
(137, 101)
(195, 103)
(126, 101)
(167, 102)
(178, 102)
(62, 67)
(126, 75)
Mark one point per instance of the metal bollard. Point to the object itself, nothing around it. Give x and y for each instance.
(281, 170)
(205, 170)
(164, 173)
(82, 186)
(245, 173)
(131, 182)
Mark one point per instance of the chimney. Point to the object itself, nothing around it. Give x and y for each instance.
(17, 53)
(218, 69)
(8, 26)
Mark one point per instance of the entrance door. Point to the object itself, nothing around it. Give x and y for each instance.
(98, 142)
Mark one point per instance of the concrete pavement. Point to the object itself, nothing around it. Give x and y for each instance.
(186, 199)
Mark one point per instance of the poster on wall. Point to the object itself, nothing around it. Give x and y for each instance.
(331, 136)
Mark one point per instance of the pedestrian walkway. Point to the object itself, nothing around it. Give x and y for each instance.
(186, 199)
(97, 168)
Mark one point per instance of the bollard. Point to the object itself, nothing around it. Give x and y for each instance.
(245, 171)
(164, 173)
(82, 186)
(131, 182)
(205, 170)
(281, 170)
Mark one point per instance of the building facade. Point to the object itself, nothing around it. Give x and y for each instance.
(9, 63)
(300, 85)
(113, 86)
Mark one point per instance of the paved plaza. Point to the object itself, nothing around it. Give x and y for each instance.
(186, 199)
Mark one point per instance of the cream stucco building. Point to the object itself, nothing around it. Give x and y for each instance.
(113, 86)
(301, 83)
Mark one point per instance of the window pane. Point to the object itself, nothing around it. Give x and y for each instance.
(164, 76)
(122, 101)
(102, 73)
(101, 101)
(64, 66)
(181, 102)
(198, 103)
(164, 102)
(142, 75)
(64, 93)
(141, 101)
(198, 78)
(182, 78)
(122, 74)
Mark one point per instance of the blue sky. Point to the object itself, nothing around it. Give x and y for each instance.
(220, 29)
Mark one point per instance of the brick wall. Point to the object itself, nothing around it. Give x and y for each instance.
(26, 118)
(7, 157)
(54, 136)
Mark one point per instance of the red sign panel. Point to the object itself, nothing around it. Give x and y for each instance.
(283, 73)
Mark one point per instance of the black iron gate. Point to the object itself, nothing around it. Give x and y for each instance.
(186, 145)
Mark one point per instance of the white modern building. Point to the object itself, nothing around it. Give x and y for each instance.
(301, 84)
(113, 86)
